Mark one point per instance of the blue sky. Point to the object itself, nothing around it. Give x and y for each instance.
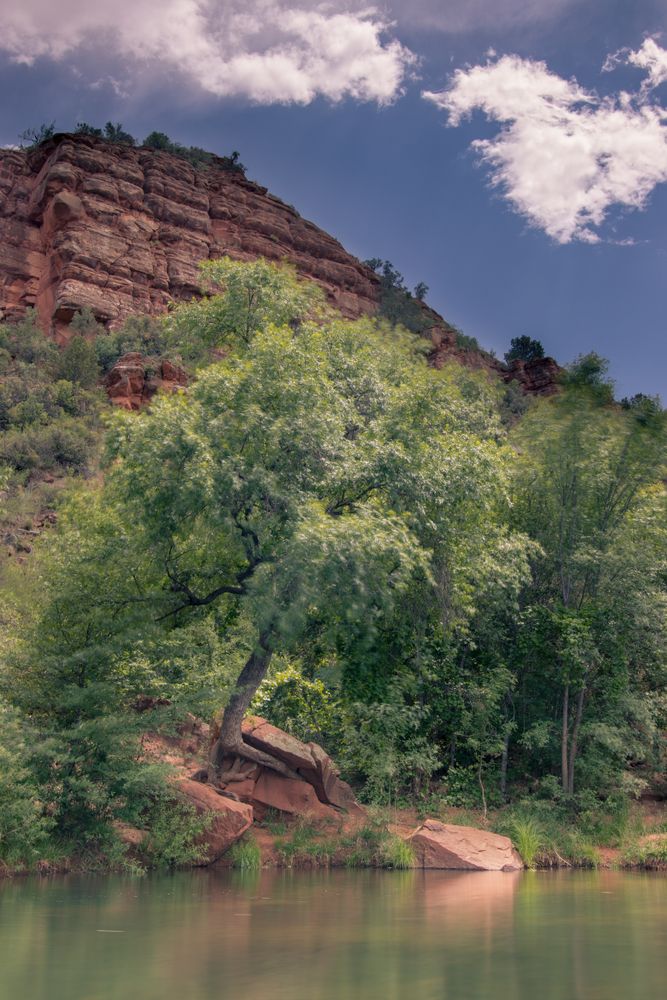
(554, 226)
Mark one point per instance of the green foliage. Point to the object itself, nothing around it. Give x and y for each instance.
(114, 132)
(143, 334)
(466, 343)
(77, 363)
(244, 299)
(245, 854)
(397, 853)
(515, 402)
(302, 707)
(397, 304)
(651, 854)
(587, 489)
(23, 825)
(384, 749)
(174, 833)
(528, 838)
(524, 348)
(33, 137)
(194, 154)
(457, 621)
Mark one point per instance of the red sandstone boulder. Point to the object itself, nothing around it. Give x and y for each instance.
(308, 760)
(298, 798)
(444, 845)
(134, 380)
(231, 818)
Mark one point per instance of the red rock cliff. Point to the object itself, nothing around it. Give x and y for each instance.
(121, 230)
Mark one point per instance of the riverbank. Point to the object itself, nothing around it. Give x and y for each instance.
(382, 840)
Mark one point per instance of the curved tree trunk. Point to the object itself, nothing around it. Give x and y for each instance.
(230, 743)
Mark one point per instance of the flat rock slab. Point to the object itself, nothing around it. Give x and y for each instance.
(230, 821)
(447, 846)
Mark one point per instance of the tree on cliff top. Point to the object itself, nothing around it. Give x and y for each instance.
(524, 349)
(313, 473)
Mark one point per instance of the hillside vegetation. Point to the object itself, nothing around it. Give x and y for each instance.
(465, 611)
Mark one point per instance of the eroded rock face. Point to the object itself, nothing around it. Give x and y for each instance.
(444, 845)
(231, 818)
(537, 378)
(134, 379)
(122, 230)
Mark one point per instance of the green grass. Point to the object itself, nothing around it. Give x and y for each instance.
(527, 836)
(397, 853)
(652, 855)
(245, 854)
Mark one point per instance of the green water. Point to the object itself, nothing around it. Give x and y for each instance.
(336, 936)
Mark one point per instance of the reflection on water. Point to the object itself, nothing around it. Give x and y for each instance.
(336, 936)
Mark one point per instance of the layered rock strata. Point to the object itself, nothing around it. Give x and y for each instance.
(122, 230)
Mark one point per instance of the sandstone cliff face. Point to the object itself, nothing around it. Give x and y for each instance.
(122, 230)
(84, 223)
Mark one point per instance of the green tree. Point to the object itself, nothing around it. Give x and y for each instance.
(589, 473)
(315, 474)
(524, 349)
(77, 362)
(243, 298)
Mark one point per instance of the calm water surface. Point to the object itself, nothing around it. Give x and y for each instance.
(336, 936)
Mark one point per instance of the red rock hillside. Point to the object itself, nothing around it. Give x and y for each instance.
(121, 230)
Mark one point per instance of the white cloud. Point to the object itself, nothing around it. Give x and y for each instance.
(266, 50)
(564, 156)
(649, 57)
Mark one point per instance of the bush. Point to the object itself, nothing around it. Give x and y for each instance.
(139, 333)
(384, 748)
(301, 707)
(466, 343)
(23, 825)
(397, 303)
(174, 831)
(63, 444)
(77, 363)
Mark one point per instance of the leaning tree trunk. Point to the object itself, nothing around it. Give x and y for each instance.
(230, 745)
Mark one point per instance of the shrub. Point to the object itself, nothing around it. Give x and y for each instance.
(23, 825)
(397, 303)
(383, 747)
(466, 343)
(174, 832)
(301, 707)
(77, 363)
(139, 333)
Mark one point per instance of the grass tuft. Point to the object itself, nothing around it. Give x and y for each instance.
(245, 854)
(397, 853)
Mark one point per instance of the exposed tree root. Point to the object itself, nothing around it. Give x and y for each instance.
(243, 752)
